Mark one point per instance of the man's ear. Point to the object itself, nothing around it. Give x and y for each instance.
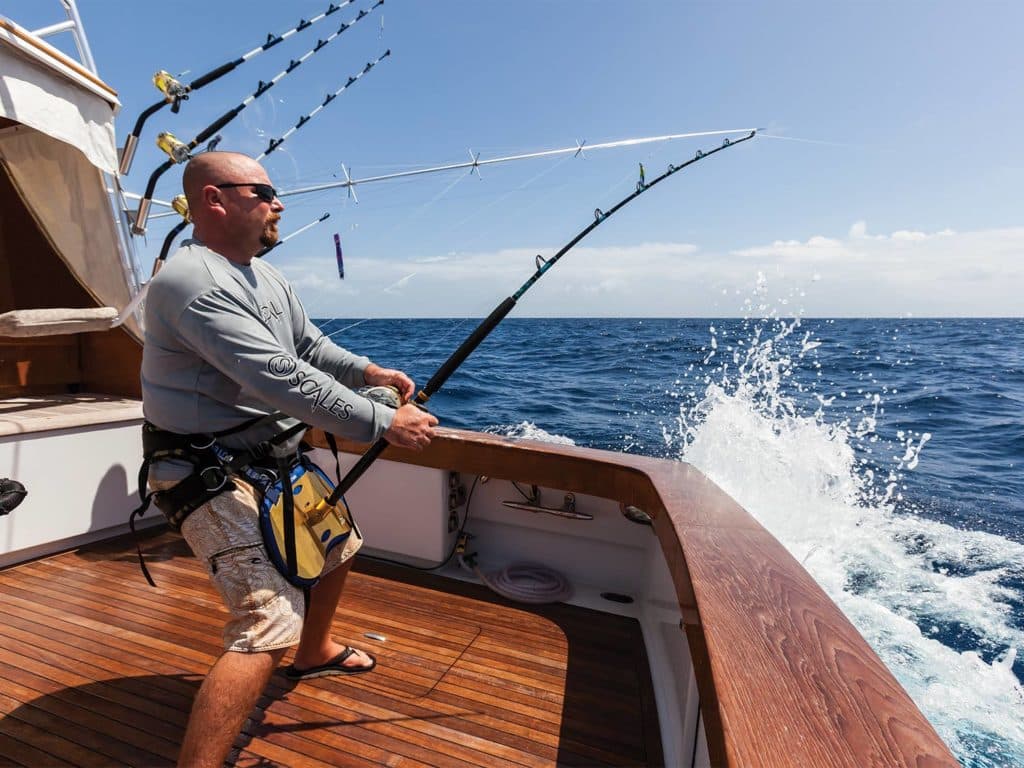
(213, 199)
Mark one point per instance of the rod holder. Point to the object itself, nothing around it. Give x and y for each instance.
(139, 225)
(128, 154)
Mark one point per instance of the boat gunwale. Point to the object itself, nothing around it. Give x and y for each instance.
(784, 677)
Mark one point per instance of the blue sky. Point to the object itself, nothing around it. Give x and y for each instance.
(906, 201)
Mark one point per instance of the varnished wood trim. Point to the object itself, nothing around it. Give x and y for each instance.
(784, 677)
(53, 53)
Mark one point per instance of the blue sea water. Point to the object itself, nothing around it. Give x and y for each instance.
(886, 455)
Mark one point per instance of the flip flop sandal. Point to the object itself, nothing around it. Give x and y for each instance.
(335, 666)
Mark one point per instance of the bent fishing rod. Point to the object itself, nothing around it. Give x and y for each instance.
(175, 92)
(179, 151)
(491, 321)
(181, 206)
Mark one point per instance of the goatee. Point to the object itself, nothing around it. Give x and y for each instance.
(268, 238)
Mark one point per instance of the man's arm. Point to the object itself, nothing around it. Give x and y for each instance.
(230, 338)
(319, 351)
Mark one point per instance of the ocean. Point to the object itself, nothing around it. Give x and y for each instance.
(885, 454)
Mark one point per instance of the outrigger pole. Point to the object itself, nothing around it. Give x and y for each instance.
(180, 152)
(476, 163)
(491, 321)
(274, 144)
(175, 93)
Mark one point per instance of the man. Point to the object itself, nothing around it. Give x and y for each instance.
(228, 345)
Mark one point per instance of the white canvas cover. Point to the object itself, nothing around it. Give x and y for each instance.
(68, 200)
(55, 155)
(41, 88)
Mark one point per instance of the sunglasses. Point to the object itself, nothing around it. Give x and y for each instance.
(264, 192)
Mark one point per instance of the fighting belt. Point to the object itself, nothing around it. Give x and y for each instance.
(298, 537)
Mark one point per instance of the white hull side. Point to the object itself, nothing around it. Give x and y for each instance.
(82, 484)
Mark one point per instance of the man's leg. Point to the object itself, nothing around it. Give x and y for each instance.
(317, 646)
(225, 699)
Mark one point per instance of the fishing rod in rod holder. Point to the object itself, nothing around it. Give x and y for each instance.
(179, 151)
(491, 321)
(275, 143)
(179, 202)
(175, 92)
(326, 215)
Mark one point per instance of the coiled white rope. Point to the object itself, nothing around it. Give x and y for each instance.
(525, 582)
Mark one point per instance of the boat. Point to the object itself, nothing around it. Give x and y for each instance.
(683, 633)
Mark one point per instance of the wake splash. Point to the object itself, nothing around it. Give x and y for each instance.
(933, 601)
(527, 430)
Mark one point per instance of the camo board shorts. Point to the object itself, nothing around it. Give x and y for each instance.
(266, 611)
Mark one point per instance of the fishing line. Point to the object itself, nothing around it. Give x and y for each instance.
(499, 313)
(533, 203)
(809, 141)
(426, 206)
(175, 93)
(179, 152)
(454, 325)
(353, 325)
(400, 281)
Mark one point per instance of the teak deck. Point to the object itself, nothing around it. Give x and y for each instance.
(99, 669)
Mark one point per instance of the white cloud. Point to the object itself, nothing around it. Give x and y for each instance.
(861, 274)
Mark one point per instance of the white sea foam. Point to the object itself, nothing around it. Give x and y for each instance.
(902, 580)
(529, 431)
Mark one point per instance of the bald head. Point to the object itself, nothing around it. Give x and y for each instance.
(223, 201)
(217, 168)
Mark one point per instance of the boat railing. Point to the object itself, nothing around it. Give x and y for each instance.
(72, 24)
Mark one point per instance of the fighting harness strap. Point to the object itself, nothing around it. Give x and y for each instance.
(213, 467)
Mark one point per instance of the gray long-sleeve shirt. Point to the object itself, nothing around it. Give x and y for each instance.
(226, 343)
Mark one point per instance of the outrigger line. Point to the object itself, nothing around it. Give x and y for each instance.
(175, 93)
(179, 152)
(274, 144)
(491, 321)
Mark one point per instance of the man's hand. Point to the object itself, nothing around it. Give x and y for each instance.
(376, 376)
(411, 428)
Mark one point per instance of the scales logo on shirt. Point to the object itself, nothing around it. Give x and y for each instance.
(271, 311)
(287, 367)
(282, 366)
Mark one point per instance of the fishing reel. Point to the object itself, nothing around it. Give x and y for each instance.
(172, 89)
(180, 205)
(174, 147)
(385, 395)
